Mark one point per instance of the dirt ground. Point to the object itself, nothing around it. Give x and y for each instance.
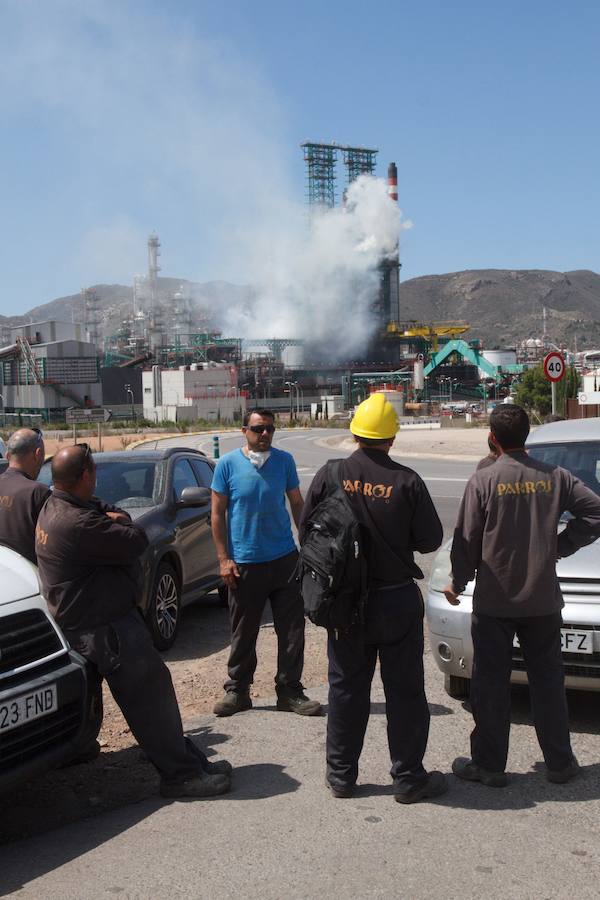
(121, 774)
(116, 441)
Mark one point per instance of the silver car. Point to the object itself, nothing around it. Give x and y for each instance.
(574, 445)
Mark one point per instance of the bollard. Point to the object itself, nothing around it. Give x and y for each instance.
(216, 451)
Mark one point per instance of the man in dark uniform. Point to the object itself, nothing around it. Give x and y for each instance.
(393, 505)
(507, 534)
(21, 496)
(88, 556)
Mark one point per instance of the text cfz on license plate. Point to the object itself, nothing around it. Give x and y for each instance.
(27, 707)
(572, 641)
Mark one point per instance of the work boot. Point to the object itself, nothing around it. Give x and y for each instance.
(433, 785)
(86, 755)
(465, 768)
(199, 787)
(232, 703)
(296, 701)
(340, 790)
(219, 767)
(564, 775)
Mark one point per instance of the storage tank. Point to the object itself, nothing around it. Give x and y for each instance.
(501, 358)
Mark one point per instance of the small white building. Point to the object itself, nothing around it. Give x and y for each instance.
(200, 391)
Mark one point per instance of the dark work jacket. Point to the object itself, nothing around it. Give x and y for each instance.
(89, 565)
(21, 499)
(507, 533)
(393, 505)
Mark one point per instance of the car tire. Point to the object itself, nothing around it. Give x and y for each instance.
(223, 592)
(164, 611)
(457, 687)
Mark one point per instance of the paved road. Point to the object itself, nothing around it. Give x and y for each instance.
(279, 834)
(445, 478)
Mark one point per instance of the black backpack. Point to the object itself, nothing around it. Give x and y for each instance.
(332, 568)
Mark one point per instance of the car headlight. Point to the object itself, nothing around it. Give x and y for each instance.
(441, 571)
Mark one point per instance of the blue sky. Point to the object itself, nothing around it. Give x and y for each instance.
(120, 118)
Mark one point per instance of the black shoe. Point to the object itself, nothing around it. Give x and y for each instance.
(433, 785)
(297, 702)
(465, 768)
(232, 703)
(89, 754)
(200, 787)
(218, 767)
(564, 775)
(340, 791)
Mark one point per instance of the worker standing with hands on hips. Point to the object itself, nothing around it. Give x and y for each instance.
(506, 538)
(397, 515)
(253, 536)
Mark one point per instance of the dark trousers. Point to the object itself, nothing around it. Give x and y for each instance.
(393, 630)
(123, 653)
(539, 637)
(258, 583)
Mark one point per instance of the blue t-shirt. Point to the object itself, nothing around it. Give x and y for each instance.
(258, 524)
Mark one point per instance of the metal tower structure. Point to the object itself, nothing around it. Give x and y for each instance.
(91, 314)
(153, 266)
(320, 160)
(359, 161)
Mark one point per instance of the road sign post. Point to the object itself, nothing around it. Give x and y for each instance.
(554, 370)
(88, 415)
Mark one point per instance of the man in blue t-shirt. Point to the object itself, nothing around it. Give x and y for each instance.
(257, 556)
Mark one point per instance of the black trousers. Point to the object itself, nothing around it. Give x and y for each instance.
(539, 637)
(258, 583)
(393, 630)
(123, 653)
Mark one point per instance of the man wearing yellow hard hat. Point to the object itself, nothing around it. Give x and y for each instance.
(396, 513)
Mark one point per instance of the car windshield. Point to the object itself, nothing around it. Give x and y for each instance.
(123, 483)
(580, 458)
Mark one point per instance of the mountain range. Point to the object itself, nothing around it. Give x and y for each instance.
(502, 306)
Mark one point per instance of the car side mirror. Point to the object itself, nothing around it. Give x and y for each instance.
(194, 496)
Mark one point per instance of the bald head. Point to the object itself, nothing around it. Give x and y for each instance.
(25, 451)
(74, 471)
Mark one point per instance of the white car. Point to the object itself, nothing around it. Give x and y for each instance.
(43, 684)
(574, 445)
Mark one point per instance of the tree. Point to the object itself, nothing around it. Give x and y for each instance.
(535, 392)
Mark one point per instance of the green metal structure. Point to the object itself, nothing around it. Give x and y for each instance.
(472, 355)
(359, 161)
(320, 160)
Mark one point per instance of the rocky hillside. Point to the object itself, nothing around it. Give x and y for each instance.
(504, 306)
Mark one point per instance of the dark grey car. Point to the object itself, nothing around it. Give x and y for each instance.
(168, 492)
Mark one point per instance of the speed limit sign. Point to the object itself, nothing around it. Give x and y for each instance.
(554, 366)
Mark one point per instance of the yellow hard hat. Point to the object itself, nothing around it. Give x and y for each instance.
(375, 418)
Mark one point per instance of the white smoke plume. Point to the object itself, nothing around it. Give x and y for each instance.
(317, 281)
(165, 127)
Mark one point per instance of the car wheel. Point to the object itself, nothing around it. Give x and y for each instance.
(457, 687)
(164, 611)
(223, 592)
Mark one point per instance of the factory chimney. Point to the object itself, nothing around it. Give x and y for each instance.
(393, 182)
(393, 274)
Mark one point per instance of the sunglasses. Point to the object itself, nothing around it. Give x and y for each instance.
(259, 429)
(87, 455)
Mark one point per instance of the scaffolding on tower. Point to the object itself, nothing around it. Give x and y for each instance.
(359, 161)
(320, 160)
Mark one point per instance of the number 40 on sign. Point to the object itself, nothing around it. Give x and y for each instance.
(554, 366)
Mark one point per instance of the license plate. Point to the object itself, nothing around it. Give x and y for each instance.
(572, 641)
(28, 707)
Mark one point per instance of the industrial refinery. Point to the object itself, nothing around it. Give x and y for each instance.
(166, 363)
